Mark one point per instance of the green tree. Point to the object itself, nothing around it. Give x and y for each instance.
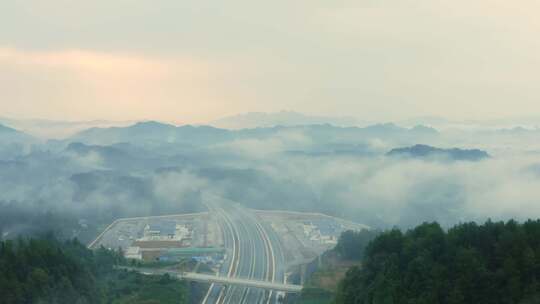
(492, 263)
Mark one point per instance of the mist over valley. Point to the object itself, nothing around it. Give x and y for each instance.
(152, 168)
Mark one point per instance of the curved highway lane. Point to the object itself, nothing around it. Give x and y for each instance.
(253, 252)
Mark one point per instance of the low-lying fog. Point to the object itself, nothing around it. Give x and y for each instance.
(97, 175)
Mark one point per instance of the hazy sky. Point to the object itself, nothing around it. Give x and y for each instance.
(193, 61)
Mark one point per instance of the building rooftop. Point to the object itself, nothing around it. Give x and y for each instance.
(164, 228)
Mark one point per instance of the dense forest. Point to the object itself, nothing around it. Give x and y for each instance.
(352, 244)
(495, 262)
(322, 276)
(47, 270)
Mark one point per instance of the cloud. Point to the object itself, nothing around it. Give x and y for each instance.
(173, 185)
(90, 160)
(186, 60)
(264, 148)
(82, 61)
(88, 84)
(383, 192)
(366, 187)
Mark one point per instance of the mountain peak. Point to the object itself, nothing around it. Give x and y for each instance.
(424, 129)
(251, 120)
(151, 124)
(425, 151)
(6, 129)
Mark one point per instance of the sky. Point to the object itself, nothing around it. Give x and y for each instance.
(195, 61)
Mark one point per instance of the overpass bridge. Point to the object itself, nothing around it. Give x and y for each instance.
(226, 281)
(206, 278)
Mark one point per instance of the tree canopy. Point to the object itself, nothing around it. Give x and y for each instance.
(352, 244)
(47, 270)
(470, 263)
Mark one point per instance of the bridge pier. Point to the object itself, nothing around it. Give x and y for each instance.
(303, 270)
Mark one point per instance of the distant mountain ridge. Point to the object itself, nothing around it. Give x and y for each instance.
(56, 129)
(11, 135)
(5, 129)
(284, 118)
(152, 132)
(425, 151)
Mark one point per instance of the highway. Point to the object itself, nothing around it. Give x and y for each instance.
(253, 253)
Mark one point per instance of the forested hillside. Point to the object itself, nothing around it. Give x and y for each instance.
(325, 273)
(50, 271)
(469, 263)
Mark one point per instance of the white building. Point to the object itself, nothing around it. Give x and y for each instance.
(133, 253)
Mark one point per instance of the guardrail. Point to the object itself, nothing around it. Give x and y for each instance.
(198, 277)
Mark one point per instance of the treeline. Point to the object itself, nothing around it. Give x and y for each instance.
(470, 263)
(17, 220)
(352, 244)
(47, 270)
